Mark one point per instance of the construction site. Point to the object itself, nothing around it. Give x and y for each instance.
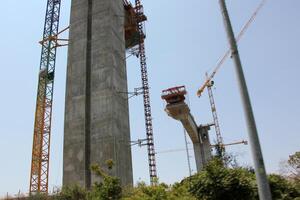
(153, 90)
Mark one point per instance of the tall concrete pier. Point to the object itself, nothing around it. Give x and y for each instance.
(179, 110)
(96, 113)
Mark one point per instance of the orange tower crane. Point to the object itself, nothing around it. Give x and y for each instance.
(43, 114)
(134, 35)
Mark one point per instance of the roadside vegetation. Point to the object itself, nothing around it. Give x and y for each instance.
(218, 181)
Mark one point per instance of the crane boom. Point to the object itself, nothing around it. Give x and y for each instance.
(244, 142)
(228, 52)
(43, 114)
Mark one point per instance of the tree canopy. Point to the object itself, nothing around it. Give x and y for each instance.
(215, 182)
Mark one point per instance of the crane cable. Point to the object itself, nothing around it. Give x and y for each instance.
(228, 52)
(244, 142)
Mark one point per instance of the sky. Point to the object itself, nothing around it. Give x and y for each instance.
(185, 39)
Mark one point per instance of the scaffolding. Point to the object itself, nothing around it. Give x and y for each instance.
(140, 18)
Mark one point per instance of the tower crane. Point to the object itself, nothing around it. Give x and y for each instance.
(220, 148)
(228, 52)
(43, 114)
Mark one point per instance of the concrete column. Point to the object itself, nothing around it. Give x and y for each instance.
(96, 113)
(202, 148)
(198, 135)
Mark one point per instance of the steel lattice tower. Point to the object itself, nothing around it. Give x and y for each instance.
(43, 114)
(220, 145)
(146, 93)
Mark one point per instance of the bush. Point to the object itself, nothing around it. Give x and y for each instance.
(217, 182)
(282, 189)
(144, 192)
(38, 196)
(71, 193)
(181, 191)
(109, 188)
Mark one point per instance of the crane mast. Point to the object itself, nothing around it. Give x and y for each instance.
(146, 93)
(228, 52)
(220, 146)
(43, 113)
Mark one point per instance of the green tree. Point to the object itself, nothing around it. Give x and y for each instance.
(108, 188)
(161, 191)
(217, 182)
(71, 193)
(145, 192)
(282, 188)
(38, 196)
(294, 164)
(180, 191)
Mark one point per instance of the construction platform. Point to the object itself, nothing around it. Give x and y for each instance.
(132, 19)
(179, 110)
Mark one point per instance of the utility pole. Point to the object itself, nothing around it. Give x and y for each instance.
(262, 181)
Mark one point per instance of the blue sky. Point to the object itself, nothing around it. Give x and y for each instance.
(184, 40)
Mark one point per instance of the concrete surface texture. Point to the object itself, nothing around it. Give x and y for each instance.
(96, 108)
(202, 148)
(198, 135)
